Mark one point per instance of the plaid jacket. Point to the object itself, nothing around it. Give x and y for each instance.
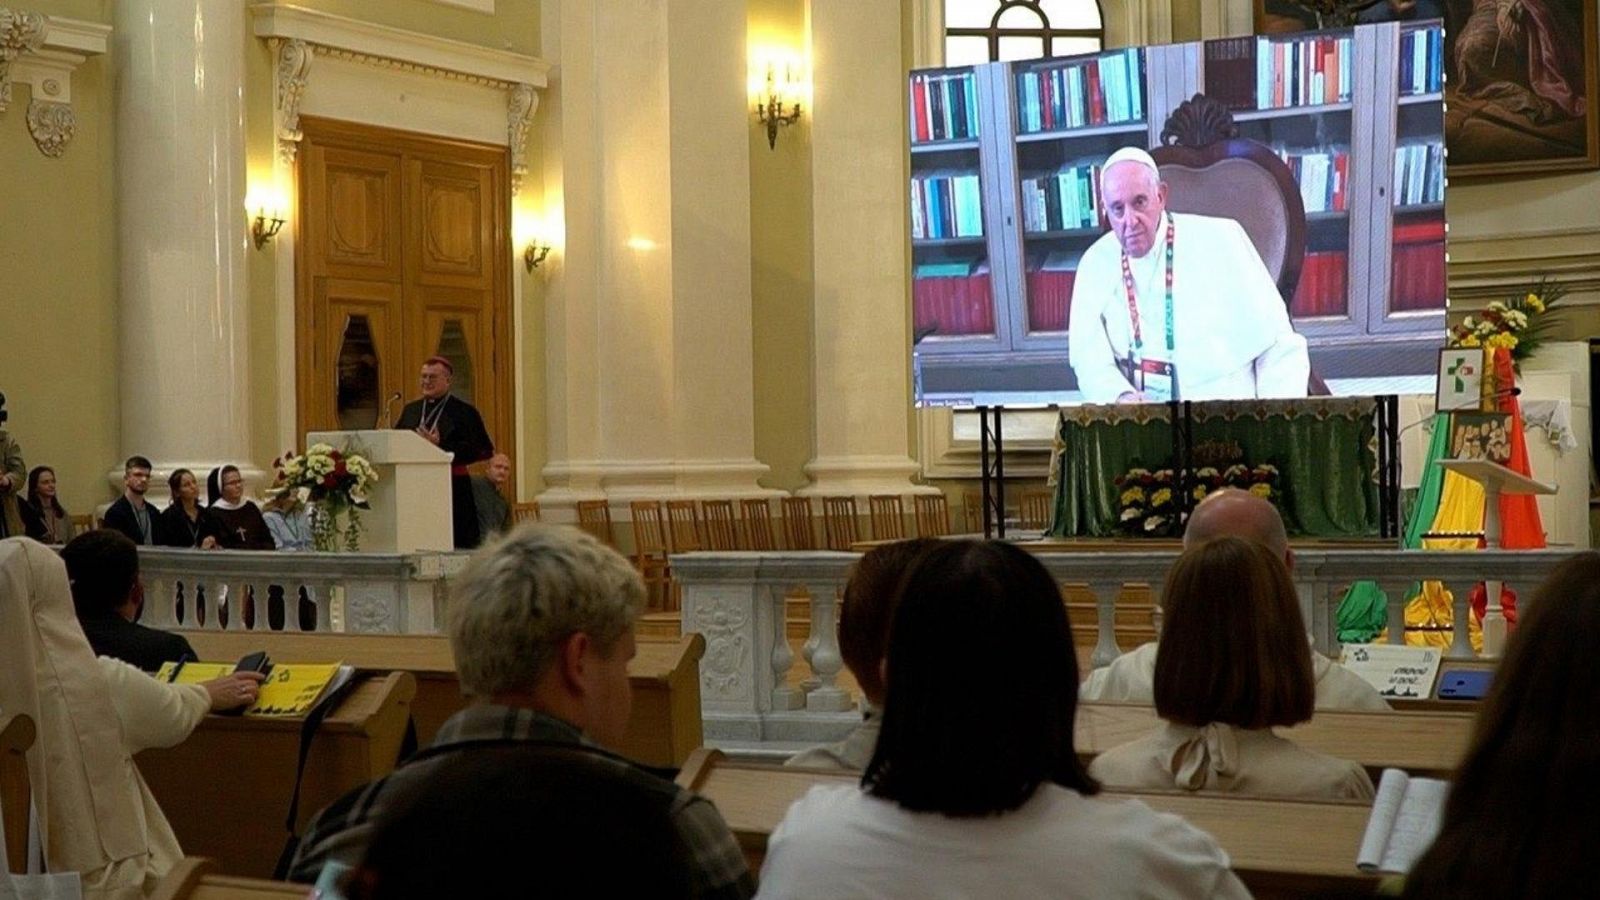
(341, 831)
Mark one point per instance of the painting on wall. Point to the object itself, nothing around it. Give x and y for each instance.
(1521, 76)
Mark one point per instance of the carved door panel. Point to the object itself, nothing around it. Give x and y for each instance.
(452, 228)
(351, 213)
(363, 344)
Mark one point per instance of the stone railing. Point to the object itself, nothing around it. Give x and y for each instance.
(737, 601)
(385, 593)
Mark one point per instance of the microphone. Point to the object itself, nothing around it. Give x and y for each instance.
(388, 420)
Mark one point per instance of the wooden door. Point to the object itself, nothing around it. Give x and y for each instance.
(401, 256)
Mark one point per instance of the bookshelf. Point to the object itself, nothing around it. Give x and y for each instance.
(1321, 100)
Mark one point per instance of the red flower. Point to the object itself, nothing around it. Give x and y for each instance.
(340, 468)
(329, 481)
(277, 463)
(335, 455)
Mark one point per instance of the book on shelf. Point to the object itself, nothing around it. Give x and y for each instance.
(944, 106)
(1418, 174)
(1066, 199)
(1405, 819)
(953, 296)
(1421, 55)
(1231, 72)
(1103, 90)
(946, 203)
(1321, 288)
(1418, 278)
(1323, 176)
(1050, 279)
(1311, 71)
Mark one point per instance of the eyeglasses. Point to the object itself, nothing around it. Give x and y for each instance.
(429, 376)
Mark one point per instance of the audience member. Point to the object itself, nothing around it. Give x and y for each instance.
(1232, 665)
(1241, 514)
(94, 814)
(288, 522)
(1521, 820)
(974, 789)
(185, 523)
(604, 830)
(494, 514)
(43, 517)
(541, 628)
(130, 514)
(864, 616)
(103, 568)
(13, 471)
(243, 527)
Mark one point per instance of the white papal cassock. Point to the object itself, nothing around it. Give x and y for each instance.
(1231, 336)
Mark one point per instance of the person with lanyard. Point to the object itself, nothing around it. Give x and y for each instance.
(130, 514)
(1174, 306)
(454, 426)
(185, 523)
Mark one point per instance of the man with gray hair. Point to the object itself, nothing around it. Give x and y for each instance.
(542, 629)
(1231, 512)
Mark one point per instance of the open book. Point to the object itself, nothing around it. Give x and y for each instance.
(291, 689)
(1405, 819)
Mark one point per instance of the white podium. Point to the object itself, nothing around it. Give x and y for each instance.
(411, 501)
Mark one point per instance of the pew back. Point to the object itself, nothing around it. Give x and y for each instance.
(195, 878)
(16, 736)
(664, 727)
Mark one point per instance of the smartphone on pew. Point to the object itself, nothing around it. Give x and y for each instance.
(1464, 684)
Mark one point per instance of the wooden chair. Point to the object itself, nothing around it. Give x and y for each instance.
(683, 523)
(525, 512)
(972, 511)
(1035, 510)
(757, 524)
(839, 523)
(650, 551)
(888, 517)
(84, 522)
(932, 514)
(594, 516)
(798, 531)
(722, 528)
(1210, 170)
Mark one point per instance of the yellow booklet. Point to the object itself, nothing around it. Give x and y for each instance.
(291, 689)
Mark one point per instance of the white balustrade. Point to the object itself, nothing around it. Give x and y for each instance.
(737, 600)
(384, 593)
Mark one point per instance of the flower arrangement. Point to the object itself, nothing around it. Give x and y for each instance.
(331, 483)
(1519, 324)
(1147, 502)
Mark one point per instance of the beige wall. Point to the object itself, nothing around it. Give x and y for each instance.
(58, 271)
(514, 25)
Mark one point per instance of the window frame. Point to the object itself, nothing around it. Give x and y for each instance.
(1045, 33)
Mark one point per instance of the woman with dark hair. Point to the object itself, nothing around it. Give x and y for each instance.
(974, 783)
(1231, 666)
(43, 517)
(1522, 822)
(185, 523)
(243, 528)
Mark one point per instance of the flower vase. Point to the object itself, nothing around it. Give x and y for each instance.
(324, 526)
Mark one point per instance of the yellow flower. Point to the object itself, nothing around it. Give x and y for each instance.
(1161, 497)
(1262, 490)
(1132, 496)
(1507, 341)
(1533, 302)
(1199, 492)
(1470, 340)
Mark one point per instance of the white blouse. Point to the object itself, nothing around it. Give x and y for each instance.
(839, 841)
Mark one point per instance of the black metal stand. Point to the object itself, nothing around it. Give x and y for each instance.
(992, 468)
(1182, 414)
(1388, 439)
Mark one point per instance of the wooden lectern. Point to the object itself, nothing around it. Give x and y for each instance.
(1496, 480)
(411, 501)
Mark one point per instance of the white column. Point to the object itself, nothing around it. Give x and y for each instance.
(182, 233)
(649, 361)
(862, 332)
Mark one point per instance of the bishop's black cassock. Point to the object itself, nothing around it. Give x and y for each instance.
(461, 432)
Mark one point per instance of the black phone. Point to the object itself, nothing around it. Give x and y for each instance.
(255, 662)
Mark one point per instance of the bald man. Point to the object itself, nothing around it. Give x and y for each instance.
(1235, 513)
(489, 499)
(1173, 306)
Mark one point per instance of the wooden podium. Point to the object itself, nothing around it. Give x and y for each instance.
(411, 502)
(1496, 480)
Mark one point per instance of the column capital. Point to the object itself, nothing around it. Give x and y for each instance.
(42, 52)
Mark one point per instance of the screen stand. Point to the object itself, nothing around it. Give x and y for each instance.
(992, 468)
(1388, 440)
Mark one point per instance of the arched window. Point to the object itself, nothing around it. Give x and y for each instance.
(980, 31)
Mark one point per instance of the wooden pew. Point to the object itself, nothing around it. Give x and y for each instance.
(1278, 847)
(16, 736)
(1423, 743)
(664, 728)
(196, 878)
(226, 789)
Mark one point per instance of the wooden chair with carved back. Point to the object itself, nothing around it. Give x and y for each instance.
(650, 552)
(932, 513)
(839, 527)
(887, 516)
(721, 526)
(525, 512)
(798, 531)
(594, 516)
(757, 514)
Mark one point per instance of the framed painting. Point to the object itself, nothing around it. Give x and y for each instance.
(1520, 86)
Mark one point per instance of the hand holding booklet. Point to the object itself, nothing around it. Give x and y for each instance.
(1405, 819)
(291, 689)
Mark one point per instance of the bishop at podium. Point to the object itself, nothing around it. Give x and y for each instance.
(454, 426)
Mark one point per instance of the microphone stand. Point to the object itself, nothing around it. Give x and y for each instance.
(388, 419)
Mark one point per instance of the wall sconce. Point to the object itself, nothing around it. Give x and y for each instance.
(778, 88)
(534, 254)
(266, 212)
